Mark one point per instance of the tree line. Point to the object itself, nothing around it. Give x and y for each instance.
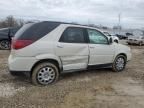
(11, 21)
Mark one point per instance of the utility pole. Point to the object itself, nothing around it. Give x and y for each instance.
(119, 18)
(119, 22)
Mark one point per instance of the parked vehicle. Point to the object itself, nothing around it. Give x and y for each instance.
(121, 36)
(114, 37)
(139, 40)
(129, 34)
(47, 49)
(5, 37)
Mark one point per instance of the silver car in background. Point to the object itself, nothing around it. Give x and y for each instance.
(139, 40)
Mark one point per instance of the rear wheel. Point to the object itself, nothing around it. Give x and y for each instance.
(45, 73)
(5, 44)
(119, 63)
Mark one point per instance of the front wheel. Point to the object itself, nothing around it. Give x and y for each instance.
(116, 41)
(45, 73)
(119, 63)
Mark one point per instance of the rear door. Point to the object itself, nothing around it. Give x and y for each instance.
(101, 52)
(73, 49)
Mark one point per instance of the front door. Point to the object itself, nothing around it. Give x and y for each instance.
(101, 52)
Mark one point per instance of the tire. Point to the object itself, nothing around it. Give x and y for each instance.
(44, 74)
(5, 45)
(116, 41)
(119, 63)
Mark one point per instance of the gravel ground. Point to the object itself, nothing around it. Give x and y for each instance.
(100, 88)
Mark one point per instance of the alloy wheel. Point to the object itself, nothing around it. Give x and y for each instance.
(46, 75)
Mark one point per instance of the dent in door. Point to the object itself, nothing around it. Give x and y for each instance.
(79, 59)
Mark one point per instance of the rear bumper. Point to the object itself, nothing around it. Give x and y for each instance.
(19, 73)
(21, 64)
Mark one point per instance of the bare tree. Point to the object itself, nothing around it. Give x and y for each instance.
(3, 24)
(11, 21)
(21, 22)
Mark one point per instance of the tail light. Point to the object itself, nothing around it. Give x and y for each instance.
(19, 44)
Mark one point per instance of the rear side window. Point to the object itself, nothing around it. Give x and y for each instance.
(35, 31)
(73, 35)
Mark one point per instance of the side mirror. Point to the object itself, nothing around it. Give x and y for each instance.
(110, 40)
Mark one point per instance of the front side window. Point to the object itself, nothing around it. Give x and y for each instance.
(73, 35)
(96, 37)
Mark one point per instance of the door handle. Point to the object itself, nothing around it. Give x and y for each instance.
(59, 46)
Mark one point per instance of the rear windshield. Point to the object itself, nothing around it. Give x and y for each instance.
(35, 31)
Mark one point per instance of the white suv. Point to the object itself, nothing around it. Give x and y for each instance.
(47, 49)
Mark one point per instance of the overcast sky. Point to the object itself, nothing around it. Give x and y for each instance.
(103, 12)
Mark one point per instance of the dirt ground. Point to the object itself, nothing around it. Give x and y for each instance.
(100, 88)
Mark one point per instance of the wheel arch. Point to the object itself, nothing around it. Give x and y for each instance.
(123, 54)
(54, 61)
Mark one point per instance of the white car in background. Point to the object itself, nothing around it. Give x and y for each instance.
(47, 49)
(139, 40)
(114, 37)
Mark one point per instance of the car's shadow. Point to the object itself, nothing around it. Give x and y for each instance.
(18, 79)
(86, 72)
(23, 79)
